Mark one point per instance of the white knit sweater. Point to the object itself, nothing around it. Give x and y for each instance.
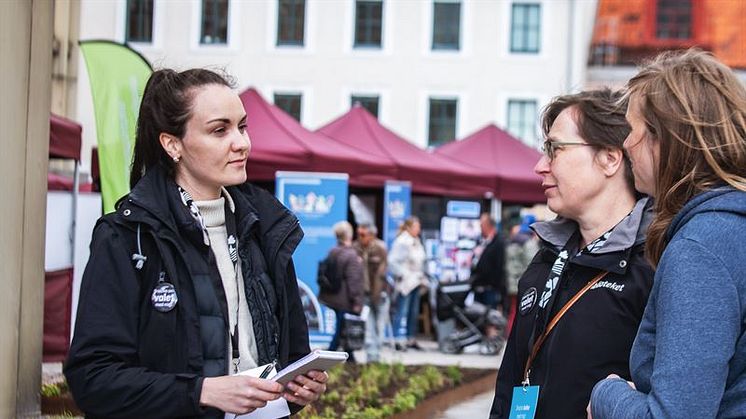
(213, 214)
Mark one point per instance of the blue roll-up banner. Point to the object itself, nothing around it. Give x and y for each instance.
(397, 206)
(319, 200)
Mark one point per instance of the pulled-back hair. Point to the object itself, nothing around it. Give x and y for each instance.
(694, 107)
(600, 117)
(407, 224)
(165, 108)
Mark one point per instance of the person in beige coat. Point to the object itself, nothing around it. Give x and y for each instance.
(407, 265)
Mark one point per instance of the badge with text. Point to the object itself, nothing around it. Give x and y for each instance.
(528, 299)
(164, 297)
(524, 402)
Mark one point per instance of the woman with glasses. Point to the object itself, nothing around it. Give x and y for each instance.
(688, 144)
(582, 296)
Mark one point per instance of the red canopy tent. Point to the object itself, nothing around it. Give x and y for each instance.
(496, 153)
(429, 173)
(64, 143)
(279, 142)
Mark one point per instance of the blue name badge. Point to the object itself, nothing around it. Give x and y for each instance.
(524, 402)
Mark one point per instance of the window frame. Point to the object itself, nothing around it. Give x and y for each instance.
(364, 97)
(382, 31)
(532, 142)
(234, 28)
(459, 38)
(429, 118)
(526, 49)
(127, 23)
(290, 44)
(288, 94)
(676, 13)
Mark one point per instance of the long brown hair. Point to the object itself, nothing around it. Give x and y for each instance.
(694, 107)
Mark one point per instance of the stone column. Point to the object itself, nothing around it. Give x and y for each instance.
(25, 66)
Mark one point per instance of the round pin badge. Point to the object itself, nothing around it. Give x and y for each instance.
(528, 299)
(164, 297)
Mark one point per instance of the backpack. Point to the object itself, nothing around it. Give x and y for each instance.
(326, 275)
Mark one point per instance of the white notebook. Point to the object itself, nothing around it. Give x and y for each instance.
(316, 360)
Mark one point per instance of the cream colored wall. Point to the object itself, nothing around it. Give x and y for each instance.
(483, 74)
(26, 48)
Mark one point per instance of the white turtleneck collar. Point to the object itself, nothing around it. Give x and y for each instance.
(213, 210)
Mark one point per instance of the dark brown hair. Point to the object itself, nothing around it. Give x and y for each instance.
(165, 108)
(694, 107)
(600, 117)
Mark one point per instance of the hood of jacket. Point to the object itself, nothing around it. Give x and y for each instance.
(629, 234)
(722, 199)
(155, 201)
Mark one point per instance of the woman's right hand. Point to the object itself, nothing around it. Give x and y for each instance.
(238, 393)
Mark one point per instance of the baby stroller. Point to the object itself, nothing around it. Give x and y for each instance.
(473, 318)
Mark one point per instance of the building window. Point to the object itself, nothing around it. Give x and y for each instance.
(139, 26)
(291, 17)
(290, 103)
(673, 19)
(368, 23)
(525, 28)
(522, 120)
(370, 103)
(442, 121)
(446, 25)
(214, 22)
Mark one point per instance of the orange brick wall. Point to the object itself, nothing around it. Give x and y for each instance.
(720, 26)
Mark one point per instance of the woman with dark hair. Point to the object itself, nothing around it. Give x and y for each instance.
(191, 279)
(581, 298)
(688, 148)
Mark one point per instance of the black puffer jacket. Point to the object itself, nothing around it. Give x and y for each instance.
(594, 337)
(128, 359)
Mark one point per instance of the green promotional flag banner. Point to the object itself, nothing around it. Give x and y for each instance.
(118, 75)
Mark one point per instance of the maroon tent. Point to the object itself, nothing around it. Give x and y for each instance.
(496, 153)
(64, 138)
(279, 142)
(429, 173)
(64, 143)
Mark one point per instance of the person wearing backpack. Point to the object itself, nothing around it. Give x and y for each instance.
(344, 267)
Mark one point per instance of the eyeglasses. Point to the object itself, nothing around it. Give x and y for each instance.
(550, 147)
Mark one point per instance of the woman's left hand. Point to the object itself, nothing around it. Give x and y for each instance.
(306, 389)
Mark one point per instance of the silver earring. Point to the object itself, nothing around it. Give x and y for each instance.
(176, 159)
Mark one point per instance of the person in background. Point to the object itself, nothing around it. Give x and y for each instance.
(407, 264)
(373, 252)
(488, 273)
(520, 251)
(581, 299)
(349, 297)
(688, 149)
(191, 279)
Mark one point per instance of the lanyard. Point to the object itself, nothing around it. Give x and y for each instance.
(231, 232)
(554, 322)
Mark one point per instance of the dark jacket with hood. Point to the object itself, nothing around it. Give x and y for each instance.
(349, 267)
(490, 269)
(129, 360)
(594, 337)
